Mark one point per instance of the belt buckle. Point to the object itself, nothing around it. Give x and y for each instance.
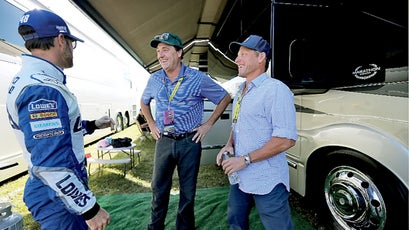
(176, 137)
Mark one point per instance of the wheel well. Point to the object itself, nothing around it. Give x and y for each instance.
(320, 160)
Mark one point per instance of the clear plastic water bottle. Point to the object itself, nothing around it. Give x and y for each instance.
(233, 177)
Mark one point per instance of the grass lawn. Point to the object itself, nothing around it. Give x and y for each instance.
(110, 180)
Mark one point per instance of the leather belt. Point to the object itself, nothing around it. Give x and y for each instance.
(178, 137)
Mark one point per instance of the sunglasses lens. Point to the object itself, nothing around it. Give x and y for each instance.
(164, 36)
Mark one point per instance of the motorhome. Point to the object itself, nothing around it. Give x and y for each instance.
(347, 64)
(105, 80)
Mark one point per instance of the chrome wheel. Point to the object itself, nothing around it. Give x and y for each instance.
(119, 123)
(354, 200)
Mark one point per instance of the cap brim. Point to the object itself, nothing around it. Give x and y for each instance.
(155, 42)
(74, 38)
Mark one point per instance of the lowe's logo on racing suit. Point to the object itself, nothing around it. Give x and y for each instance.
(68, 188)
(41, 105)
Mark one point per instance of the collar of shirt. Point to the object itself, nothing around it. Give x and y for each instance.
(47, 67)
(181, 74)
(256, 82)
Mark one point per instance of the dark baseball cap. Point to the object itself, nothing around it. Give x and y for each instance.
(167, 38)
(46, 24)
(253, 42)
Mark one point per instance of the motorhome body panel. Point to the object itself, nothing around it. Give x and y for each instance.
(11, 156)
(371, 123)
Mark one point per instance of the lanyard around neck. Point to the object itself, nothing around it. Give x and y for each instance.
(238, 103)
(170, 98)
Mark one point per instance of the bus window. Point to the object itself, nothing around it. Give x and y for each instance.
(349, 47)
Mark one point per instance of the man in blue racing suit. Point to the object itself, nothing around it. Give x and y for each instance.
(47, 122)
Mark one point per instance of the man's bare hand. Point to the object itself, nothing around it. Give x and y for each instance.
(219, 157)
(201, 132)
(100, 221)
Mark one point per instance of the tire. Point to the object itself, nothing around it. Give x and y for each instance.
(126, 120)
(356, 192)
(119, 123)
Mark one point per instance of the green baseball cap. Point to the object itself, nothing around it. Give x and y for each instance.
(167, 38)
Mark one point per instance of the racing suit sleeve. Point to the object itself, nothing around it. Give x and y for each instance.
(88, 127)
(53, 136)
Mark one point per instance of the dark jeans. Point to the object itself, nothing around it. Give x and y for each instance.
(273, 209)
(185, 155)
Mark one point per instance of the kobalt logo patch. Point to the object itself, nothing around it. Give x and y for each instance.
(41, 105)
(366, 72)
(48, 134)
(45, 125)
(34, 116)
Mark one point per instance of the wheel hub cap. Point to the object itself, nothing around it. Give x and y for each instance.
(354, 199)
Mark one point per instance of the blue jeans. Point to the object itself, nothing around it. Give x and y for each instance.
(185, 155)
(273, 208)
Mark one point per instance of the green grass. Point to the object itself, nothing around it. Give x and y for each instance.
(110, 179)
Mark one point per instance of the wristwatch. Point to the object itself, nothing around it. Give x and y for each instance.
(247, 159)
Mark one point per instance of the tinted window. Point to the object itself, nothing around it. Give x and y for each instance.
(322, 46)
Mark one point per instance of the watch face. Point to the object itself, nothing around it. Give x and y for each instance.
(247, 159)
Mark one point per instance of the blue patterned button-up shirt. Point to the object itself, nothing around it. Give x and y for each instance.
(188, 102)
